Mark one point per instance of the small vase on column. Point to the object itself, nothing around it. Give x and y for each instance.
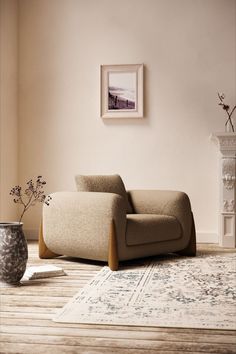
(229, 127)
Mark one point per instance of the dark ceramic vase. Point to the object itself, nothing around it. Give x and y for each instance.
(13, 252)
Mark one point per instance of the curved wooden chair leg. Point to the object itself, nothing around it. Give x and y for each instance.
(113, 261)
(190, 250)
(44, 252)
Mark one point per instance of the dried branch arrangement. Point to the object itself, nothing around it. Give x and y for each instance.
(33, 194)
(226, 108)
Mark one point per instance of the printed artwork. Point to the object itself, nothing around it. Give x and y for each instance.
(122, 91)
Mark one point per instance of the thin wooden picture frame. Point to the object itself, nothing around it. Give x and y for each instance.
(122, 91)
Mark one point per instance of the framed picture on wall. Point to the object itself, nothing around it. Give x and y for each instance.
(122, 91)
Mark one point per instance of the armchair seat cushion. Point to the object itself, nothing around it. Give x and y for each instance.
(151, 228)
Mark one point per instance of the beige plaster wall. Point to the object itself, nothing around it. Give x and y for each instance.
(8, 107)
(188, 49)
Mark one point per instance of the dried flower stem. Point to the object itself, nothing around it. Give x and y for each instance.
(33, 193)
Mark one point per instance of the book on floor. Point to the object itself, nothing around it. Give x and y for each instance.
(43, 271)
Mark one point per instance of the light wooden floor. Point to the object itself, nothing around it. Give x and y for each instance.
(26, 325)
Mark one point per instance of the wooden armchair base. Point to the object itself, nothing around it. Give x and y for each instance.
(113, 261)
(190, 250)
(44, 252)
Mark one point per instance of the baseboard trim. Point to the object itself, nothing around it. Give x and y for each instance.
(207, 237)
(202, 237)
(31, 234)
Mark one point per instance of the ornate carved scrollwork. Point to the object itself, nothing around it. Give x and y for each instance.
(228, 181)
(229, 205)
(228, 172)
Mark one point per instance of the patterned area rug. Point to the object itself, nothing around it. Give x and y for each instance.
(166, 292)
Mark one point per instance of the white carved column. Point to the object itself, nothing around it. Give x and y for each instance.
(227, 146)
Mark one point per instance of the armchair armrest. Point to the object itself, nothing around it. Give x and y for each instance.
(172, 203)
(78, 224)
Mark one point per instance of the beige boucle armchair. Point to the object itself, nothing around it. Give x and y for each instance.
(104, 222)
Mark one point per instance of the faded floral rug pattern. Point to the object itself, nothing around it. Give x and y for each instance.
(166, 292)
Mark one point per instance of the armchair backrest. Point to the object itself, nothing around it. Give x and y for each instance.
(103, 183)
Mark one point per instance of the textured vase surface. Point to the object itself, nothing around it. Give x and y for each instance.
(13, 252)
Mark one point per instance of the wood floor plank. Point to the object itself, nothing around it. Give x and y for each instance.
(138, 344)
(6, 299)
(48, 328)
(43, 290)
(27, 310)
(10, 348)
